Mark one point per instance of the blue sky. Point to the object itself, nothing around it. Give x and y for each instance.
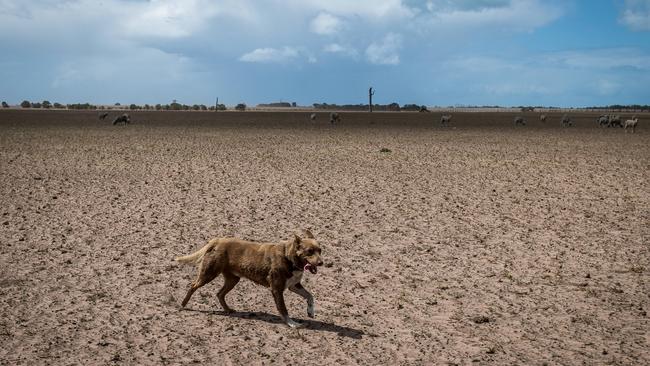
(435, 52)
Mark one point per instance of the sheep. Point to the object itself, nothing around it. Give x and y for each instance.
(445, 119)
(566, 121)
(519, 120)
(125, 118)
(312, 117)
(603, 120)
(615, 121)
(630, 123)
(334, 117)
(102, 116)
(542, 118)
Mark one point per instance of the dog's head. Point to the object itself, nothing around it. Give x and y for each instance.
(306, 252)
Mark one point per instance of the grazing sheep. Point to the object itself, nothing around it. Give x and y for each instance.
(125, 118)
(630, 123)
(615, 121)
(603, 120)
(542, 118)
(102, 116)
(445, 119)
(566, 121)
(334, 117)
(519, 120)
(312, 117)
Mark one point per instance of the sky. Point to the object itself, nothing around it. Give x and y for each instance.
(564, 53)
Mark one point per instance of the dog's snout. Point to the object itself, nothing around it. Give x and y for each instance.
(320, 262)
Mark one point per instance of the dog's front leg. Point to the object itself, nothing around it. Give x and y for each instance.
(278, 296)
(298, 289)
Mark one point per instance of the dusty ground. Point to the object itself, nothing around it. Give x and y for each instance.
(477, 244)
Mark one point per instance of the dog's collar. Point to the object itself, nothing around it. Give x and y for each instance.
(292, 266)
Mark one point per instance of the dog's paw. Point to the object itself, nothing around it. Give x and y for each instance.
(295, 325)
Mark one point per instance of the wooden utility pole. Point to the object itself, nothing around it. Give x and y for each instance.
(370, 94)
(216, 106)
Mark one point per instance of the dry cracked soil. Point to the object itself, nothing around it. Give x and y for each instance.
(480, 243)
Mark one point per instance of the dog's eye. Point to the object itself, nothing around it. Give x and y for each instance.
(310, 251)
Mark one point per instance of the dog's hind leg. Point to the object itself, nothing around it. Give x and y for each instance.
(206, 274)
(298, 289)
(230, 281)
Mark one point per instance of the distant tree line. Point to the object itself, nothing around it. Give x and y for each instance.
(277, 105)
(45, 104)
(182, 107)
(631, 107)
(392, 107)
(158, 107)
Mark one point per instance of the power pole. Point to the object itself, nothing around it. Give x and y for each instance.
(370, 94)
(216, 106)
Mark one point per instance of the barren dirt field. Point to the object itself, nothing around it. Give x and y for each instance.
(476, 244)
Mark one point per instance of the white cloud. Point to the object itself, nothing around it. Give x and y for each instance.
(464, 16)
(385, 52)
(270, 55)
(636, 15)
(372, 10)
(341, 50)
(325, 24)
(166, 18)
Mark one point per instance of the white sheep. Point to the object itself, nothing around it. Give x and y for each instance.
(519, 120)
(334, 117)
(615, 121)
(603, 120)
(445, 119)
(630, 123)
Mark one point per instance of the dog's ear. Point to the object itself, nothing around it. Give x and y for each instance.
(296, 241)
(294, 244)
(308, 234)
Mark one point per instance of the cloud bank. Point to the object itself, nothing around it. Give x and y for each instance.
(429, 52)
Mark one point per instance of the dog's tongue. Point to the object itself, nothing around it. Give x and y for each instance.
(310, 268)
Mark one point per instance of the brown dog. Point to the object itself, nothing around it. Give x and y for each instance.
(277, 266)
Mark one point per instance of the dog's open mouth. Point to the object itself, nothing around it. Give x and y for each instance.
(310, 268)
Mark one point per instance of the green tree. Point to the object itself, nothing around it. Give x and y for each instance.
(5, 105)
(240, 107)
(47, 104)
(25, 104)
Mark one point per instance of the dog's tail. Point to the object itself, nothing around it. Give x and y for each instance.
(196, 257)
